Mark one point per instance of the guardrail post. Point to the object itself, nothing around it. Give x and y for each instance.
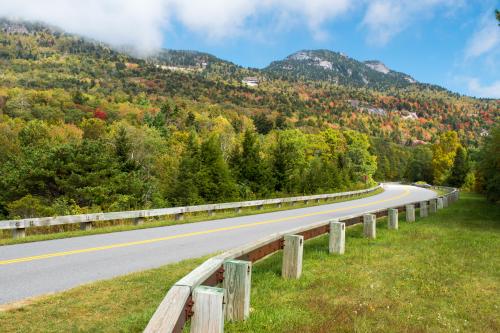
(410, 213)
(18, 233)
(260, 207)
(393, 219)
(306, 202)
(279, 205)
(237, 277)
(445, 202)
(317, 201)
(292, 257)
(86, 226)
(237, 210)
(208, 310)
(424, 211)
(139, 221)
(439, 203)
(211, 212)
(370, 226)
(179, 217)
(433, 206)
(337, 237)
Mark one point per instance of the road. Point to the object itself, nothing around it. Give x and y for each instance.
(33, 269)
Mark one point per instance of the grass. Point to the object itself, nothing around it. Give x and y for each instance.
(68, 231)
(439, 274)
(123, 304)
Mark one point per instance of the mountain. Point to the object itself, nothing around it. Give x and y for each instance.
(325, 65)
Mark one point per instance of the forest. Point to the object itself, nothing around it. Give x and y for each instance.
(84, 128)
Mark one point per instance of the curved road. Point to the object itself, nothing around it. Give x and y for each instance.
(33, 269)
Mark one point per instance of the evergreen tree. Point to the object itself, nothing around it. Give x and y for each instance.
(215, 183)
(186, 191)
(249, 168)
(460, 168)
(489, 165)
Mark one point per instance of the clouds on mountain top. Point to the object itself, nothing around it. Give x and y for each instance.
(142, 22)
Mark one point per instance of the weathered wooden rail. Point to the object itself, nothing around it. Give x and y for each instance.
(196, 296)
(18, 227)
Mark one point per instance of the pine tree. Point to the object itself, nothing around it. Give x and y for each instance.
(214, 180)
(460, 168)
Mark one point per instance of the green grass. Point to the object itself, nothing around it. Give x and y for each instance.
(439, 274)
(123, 304)
(68, 231)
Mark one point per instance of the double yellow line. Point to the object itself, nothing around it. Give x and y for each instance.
(195, 233)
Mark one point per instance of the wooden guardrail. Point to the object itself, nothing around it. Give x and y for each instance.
(85, 220)
(195, 297)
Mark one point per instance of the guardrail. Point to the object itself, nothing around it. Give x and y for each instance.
(18, 227)
(189, 298)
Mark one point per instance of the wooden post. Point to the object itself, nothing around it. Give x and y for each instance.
(445, 202)
(179, 217)
(393, 219)
(410, 213)
(18, 233)
(370, 226)
(439, 203)
(423, 209)
(292, 257)
(433, 206)
(337, 237)
(86, 226)
(139, 221)
(208, 310)
(237, 277)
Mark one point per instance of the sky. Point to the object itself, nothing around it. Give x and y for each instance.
(452, 43)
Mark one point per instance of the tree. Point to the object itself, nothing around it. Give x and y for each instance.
(443, 155)
(460, 168)
(186, 191)
(497, 14)
(420, 165)
(289, 160)
(249, 168)
(214, 180)
(262, 124)
(489, 165)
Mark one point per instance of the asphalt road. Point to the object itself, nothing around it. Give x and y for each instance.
(33, 269)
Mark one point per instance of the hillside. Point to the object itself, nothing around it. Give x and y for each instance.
(77, 117)
(325, 65)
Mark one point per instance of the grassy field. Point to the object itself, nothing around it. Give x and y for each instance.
(73, 230)
(440, 274)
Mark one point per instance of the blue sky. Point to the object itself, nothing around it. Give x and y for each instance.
(433, 48)
(452, 43)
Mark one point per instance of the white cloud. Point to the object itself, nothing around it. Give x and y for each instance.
(118, 22)
(477, 89)
(142, 22)
(384, 19)
(485, 39)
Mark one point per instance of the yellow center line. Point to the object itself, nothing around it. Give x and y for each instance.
(195, 233)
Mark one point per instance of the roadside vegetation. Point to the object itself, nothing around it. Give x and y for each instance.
(439, 274)
(102, 227)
